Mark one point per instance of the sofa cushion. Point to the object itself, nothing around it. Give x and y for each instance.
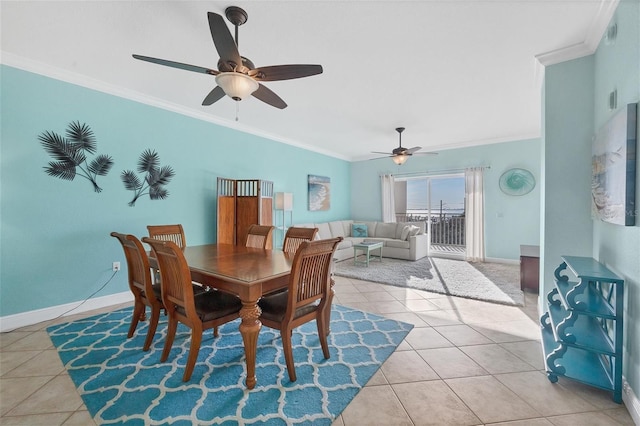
(400, 227)
(345, 244)
(359, 230)
(386, 230)
(324, 231)
(397, 244)
(413, 231)
(421, 227)
(346, 224)
(405, 232)
(371, 227)
(337, 230)
(409, 231)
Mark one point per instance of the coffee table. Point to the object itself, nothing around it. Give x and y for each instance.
(367, 249)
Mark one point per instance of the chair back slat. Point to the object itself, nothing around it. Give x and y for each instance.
(173, 233)
(259, 236)
(310, 273)
(175, 277)
(296, 236)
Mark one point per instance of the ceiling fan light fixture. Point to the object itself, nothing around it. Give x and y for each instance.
(236, 85)
(400, 159)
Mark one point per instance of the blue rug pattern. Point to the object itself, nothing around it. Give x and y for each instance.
(121, 384)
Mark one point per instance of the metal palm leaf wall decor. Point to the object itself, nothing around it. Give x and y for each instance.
(70, 154)
(154, 181)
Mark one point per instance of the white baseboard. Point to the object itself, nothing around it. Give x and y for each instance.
(12, 322)
(631, 401)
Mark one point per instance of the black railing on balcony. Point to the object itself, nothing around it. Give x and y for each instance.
(446, 228)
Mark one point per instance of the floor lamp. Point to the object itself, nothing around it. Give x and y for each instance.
(284, 203)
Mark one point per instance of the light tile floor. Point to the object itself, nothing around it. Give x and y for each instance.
(465, 363)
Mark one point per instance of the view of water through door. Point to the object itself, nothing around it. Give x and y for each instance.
(440, 202)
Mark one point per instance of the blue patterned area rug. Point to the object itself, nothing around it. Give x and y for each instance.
(121, 384)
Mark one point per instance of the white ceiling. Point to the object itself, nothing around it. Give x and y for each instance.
(453, 72)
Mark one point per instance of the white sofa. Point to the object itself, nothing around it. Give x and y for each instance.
(413, 247)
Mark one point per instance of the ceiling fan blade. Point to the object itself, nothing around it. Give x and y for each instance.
(412, 150)
(215, 95)
(223, 40)
(378, 152)
(178, 65)
(284, 72)
(426, 153)
(267, 96)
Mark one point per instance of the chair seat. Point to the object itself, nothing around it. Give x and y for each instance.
(274, 307)
(212, 305)
(157, 291)
(197, 289)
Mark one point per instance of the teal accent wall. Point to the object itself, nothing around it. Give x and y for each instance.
(617, 66)
(509, 220)
(55, 246)
(575, 107)
(567, 152)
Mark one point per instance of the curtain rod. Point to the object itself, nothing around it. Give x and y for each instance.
(431, 172)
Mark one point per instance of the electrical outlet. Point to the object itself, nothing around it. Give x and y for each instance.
(115, 266)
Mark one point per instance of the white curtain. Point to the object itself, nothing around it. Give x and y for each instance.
(474, 225)
(388, 201)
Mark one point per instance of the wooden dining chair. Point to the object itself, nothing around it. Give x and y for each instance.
(259, 236)
(296, 236)
(306, 298)
(197, 311)
(145, 293)
(173, 233)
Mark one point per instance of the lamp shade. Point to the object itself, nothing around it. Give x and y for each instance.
(400, 159)
(236, 85)
(284, 201)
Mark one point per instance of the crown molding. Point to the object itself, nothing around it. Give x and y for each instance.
(595, 32)
(46, 70)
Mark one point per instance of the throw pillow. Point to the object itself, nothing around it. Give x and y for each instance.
(405, 232)
(412, 231)
(359, 230)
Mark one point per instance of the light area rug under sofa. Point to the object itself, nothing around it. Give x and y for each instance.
(491, 282)
(401, 240)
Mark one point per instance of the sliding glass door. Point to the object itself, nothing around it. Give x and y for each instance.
(440, 202)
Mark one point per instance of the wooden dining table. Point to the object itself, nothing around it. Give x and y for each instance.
(246, 272)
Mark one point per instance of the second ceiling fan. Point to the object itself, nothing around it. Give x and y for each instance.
(400, 155)
(236, 76)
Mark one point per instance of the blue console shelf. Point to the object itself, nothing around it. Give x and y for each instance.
(582, 330)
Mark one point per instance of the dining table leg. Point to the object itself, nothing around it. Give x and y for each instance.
(249, 329)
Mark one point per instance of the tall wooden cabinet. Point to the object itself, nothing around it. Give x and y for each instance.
(582, 330)
(241, 203)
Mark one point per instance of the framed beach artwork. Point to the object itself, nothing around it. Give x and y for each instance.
(614, 169)
(319, 192)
